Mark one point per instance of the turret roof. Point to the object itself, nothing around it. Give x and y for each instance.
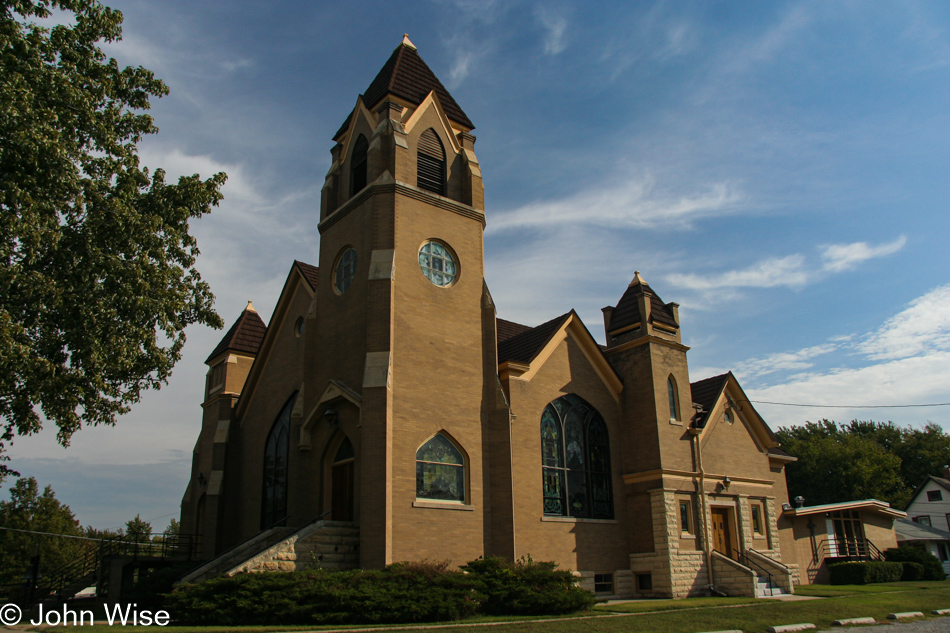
(245, 335)
(405, 75)
(627, 311)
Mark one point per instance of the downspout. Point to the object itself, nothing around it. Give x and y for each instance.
(698, 456)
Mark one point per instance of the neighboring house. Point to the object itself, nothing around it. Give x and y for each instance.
(935, 541)
(835, 532)
(386, 395)
(930, 504)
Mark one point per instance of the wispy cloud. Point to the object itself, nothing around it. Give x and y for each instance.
(767, 46)
(554, 24)
(921, 328)
(787, 361)
(791, 270)
(634, 203)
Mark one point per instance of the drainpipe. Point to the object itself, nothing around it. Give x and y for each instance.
(698, 456)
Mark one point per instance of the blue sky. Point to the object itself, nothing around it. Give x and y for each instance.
(779, 169)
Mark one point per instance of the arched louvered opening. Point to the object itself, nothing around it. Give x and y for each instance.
(671, 392)
(358, 165)
(276, 455)
(430, 171)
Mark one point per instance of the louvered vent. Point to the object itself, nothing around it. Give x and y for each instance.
(431, 163)
(358, 165)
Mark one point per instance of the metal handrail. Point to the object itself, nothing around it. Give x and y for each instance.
(853, 548)
(746, 560)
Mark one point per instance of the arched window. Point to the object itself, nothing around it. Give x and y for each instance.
(575, 460)
(440, 471)
(358, 165)
(671, 391)
(430, 165)
(276, 454)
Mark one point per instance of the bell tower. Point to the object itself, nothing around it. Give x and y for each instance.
(401, 318)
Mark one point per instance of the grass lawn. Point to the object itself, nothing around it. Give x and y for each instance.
(679, 616)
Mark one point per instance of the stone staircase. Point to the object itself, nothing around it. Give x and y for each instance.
(321, 544)
(763, 589)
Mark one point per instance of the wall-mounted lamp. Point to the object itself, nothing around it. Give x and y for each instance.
(329, 416)
(201, 479)
(726, 482)
(798, 501)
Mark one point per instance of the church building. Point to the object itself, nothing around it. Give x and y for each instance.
(386, 397)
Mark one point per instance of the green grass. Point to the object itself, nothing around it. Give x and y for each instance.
(678, 616)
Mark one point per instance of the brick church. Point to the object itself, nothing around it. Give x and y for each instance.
(387, 396)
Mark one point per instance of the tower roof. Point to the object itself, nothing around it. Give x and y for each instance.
(627, 311)
(406, 76)
(245, 335)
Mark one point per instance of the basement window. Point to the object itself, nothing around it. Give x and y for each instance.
(644, 582)
(603, 583)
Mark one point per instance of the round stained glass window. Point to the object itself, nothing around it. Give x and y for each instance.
(345, 270)
(438, 263)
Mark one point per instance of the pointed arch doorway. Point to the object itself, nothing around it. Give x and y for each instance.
(342, 484)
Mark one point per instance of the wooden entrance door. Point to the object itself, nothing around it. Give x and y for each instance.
(342, 492)
(721, 532)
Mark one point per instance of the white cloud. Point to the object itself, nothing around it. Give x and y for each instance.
(633, 203)
(785, 361)
(554, 26)
(841, 257)
(921, 328)
(768, 273)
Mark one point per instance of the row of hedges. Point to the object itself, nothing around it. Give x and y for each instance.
(906, 563)
(401, 593)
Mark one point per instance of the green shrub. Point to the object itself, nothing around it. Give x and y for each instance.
(398, 594)
(912, 571)
(527, 587)
(933, 570)
(864, 573)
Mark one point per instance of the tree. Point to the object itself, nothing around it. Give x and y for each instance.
(97, 277)
(28, 509)
(863, 459)
(138, 529)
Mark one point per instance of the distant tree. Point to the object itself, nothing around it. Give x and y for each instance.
(138, 529)
(97, 277)
(862, 459)
(29, 509)
(174, 528)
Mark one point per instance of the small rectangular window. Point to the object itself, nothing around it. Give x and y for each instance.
(757, 518)
(603, 583)
(934, 495)
(948, 521)
(923, 520)
(942, 551)
(686, 524)
(644, 582)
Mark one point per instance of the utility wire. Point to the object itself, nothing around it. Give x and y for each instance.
(848, 406)
(82, 538)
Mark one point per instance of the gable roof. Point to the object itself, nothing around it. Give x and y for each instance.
(627, 311)
(523, 346)
(706, 393)
(940, 481)
(245, 335)
(506, 329)
(405, 75)
(310, 273)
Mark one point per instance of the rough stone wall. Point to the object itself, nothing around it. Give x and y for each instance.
(328, 544)
(733, 578)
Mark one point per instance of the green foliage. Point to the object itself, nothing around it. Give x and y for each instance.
(29, 509)
(97, 277)
(864, 573)
(933, 570)
(401, 593)
(527, 587)
(912, 571)
(862, 460)
(138, 529)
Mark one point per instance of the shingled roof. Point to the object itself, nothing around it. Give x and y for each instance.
(245, 335)
(706, 393)
(627, 311)
(405, 75)
(524, 346)
(508, 329)
(310, 273)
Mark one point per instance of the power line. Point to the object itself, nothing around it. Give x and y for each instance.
(82, 538)
(850, 406)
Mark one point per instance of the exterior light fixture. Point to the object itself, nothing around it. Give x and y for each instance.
(329, 416)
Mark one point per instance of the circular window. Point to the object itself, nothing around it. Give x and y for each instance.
(727, 417)
(438, 263)
(344, 270)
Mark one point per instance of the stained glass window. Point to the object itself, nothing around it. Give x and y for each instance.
(671, 389)
(276, 454)
(437, 263)
(345, 270)
(575, 460)
(440, 471)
